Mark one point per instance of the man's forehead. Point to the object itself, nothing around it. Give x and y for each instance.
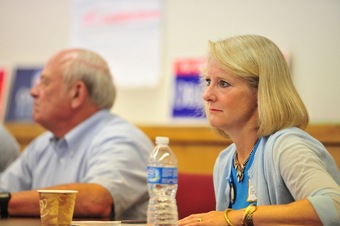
(51, 69)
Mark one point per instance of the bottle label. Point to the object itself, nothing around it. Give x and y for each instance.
(162, 175)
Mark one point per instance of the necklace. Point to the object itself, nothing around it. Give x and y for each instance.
(240, 167)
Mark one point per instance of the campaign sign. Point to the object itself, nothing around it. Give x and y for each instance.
(2, 84)
(188, 102)
(20, 102)
(2, 91)
(2, 76)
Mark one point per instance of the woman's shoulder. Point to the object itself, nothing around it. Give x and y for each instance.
(293, 140)
(292, 134)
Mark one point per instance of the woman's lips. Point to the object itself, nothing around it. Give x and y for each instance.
(214, 110)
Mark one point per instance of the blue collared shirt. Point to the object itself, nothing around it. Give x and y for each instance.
(104, 149)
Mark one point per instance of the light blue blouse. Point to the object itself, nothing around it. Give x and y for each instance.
(104, 149)
(288, 165)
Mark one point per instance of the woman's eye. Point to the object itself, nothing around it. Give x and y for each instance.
(224, 84)
(207, 81)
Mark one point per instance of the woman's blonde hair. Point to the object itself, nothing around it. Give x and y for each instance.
(260, 62)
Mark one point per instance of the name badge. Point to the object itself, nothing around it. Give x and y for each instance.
(251, 193)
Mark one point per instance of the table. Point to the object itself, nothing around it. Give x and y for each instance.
(34, 221)
(20, 222)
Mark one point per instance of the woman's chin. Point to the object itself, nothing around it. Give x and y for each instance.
(214, 124)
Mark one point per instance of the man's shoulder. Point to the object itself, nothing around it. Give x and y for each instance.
(115, 124)
(116, 127)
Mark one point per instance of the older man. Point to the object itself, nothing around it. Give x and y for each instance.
(86, 147)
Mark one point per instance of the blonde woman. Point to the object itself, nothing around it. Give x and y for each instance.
(274, 173)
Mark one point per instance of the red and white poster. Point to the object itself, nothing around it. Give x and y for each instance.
(127, 33)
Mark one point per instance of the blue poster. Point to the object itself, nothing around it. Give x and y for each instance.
(20, 102)
(188, 102)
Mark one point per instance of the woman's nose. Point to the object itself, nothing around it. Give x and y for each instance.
(208, 94)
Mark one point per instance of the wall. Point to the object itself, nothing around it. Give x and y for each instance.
(31, 31)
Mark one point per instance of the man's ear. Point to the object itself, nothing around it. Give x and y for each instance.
(79, 94)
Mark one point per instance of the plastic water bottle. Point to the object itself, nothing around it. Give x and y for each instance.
(162, 184)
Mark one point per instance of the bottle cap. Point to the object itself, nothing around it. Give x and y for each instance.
(162, 140)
